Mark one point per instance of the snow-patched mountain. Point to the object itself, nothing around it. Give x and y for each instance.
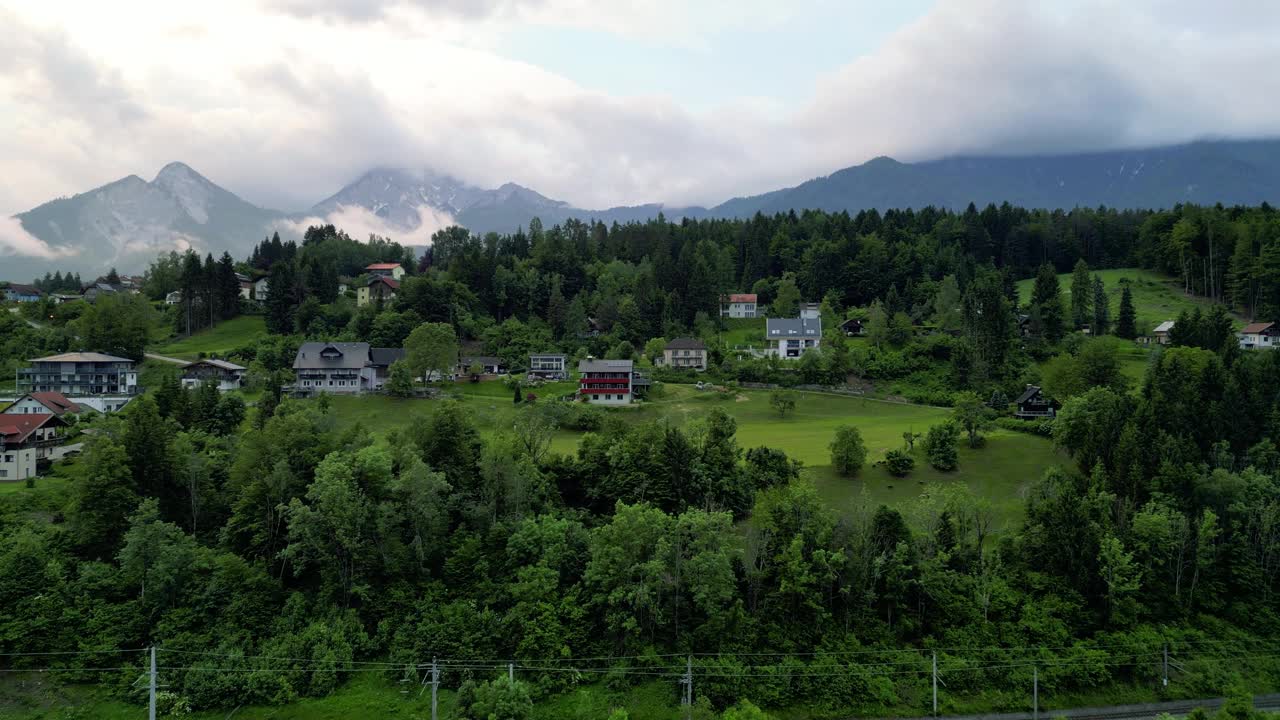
(128, 222)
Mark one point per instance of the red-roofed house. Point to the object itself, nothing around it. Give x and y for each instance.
(25, 440)
(1259, 336)
(380, 287)
(395, 271)
(740, 305)
(43, 403)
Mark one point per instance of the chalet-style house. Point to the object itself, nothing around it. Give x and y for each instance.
(342, 368)
(549, 366)
(1160, 335)
(26, 441)
(104, 382)
(605, 382)
(1033, 404)
(97, 290)
(227, 375)
(739, 305)
(488, 366)
(792, 337)
(685, 353)
(1259, 336)
(380, 360)
(852, 327)
(246, 286)
(395, 271)
(380, 287)
(43, 403)
(22, 293)
(335, 368)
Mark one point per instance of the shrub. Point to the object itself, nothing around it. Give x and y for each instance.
(940, 446)
(898, 463)
(848, 451)
(1043, 428)
(783, 401)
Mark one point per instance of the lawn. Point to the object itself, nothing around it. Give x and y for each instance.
(1001, 471)
(218, 340)
(1156, 297)
(741, 332)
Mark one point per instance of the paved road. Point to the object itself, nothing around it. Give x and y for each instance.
(162, 358)
(1144, 711)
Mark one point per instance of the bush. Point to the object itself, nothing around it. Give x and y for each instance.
(584, 418)
(1043, 428)
(940, 446)
(898, 463)
(848, 451)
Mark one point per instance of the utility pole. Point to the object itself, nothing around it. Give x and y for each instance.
(511, 672)
(151, 713)
(1035, 693)
(435, 685)
(935, 683)
(687, 699)
(1166, 664)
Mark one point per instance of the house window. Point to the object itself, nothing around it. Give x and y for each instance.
(4, 473)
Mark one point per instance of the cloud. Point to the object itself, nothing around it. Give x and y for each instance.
(360, 223)
(284, 102)
(15, 240)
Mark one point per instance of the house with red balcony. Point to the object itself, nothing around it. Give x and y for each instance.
(26, 442)
(605, 382)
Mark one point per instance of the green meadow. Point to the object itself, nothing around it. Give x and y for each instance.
(218, 340)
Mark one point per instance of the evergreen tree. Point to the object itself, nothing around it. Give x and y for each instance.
(1046, 300)
(1081, 294)
(1101, 324)
(281, 298)
(228, 287)
(1126, 320)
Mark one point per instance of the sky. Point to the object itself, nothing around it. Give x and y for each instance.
(605, 103)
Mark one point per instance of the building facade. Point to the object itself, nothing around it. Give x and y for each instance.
(43, 403)
(380, 359)
(395, 271)
(80, 373)
(685, 353)
(227, 375)
(1034, 405)
(792, 337)
(380, 287)
(741, 305)
(1259, 336)
(26, 442)
(605, 382)
(335, 368)
(810, 311)
(551, 366)
(22, 293)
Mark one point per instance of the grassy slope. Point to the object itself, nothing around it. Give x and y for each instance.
(220, 339)
(1000, 471)
(1156, 297)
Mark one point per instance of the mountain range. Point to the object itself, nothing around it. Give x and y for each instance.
(127, 222)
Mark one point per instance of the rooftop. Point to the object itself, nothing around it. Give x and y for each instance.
(223, 364)
(592, 365)
(383, 357)
(793, 327)
(1164, 327)
(739, 298)
(331, 356)
(1255, 328)
(389, 282)
(686, 344)
(382, 266)
(15, 429)
(82, 357)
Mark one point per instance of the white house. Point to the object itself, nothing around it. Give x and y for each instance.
(261, 289)
(605, 382)
(552, 366)
(810, 311)
(740, 305)
(336, 368)
(685, 353)
(173, 298)
(1259, 336)
(26, 440)
(43, 403)
(792, 337)
(1161, 333)
(395, 271)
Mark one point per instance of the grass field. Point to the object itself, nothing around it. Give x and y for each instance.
(220, 339)
(1000, 471)
(1156, 297)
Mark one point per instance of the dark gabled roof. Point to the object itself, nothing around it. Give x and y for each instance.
(220, 364)
(1030, 392)
(486, 360)
(793, 327)
(849, 322)
(686, 344)
(383, 357)
(385, 280)
(24, 289)
(1257, 328)
(352, 356)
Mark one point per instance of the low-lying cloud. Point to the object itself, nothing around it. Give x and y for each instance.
(360, 223)
(15, 240)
